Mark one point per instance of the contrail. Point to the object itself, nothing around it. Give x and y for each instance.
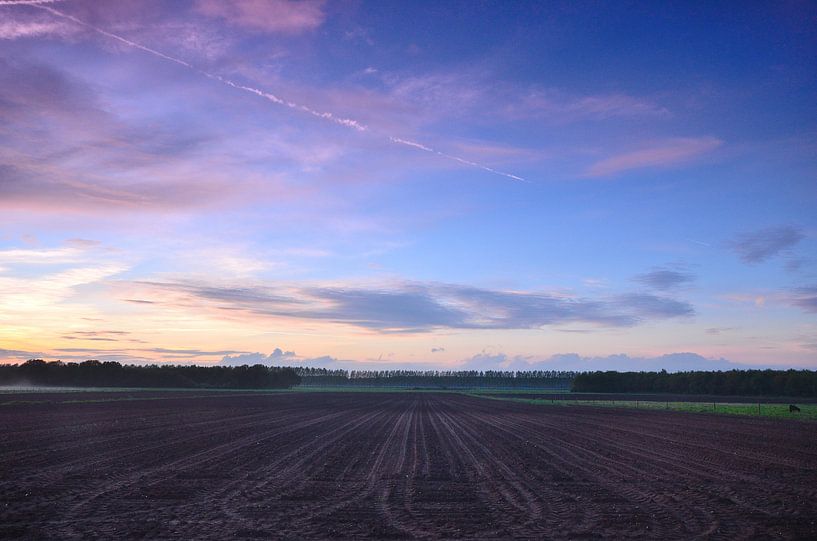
(275, 99)
(455, 158)
(347, 122)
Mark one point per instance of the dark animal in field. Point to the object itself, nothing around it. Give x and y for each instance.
(793, 408)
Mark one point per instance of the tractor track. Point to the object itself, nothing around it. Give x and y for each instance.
(397, 465)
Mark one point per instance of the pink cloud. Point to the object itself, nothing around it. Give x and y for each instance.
(667, 153)
(13, 29)
(24, 23)
(282, 16)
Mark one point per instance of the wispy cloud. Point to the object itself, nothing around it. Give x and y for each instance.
(277, 16)
(266, 95)
(324, 115)
(61, 149)
(648, 306)
(806, 298)
(763, 244)
(27, 2)
(410, 307)
(664, 154)
(16, 355)
(12, 29)
(103, 336)
(719, 330)
(72, 251)
(562, 107)
(665, 279)
(463, 93)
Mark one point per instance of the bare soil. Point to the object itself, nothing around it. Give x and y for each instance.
(400, 465)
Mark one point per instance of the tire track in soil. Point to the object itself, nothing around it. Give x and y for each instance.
(682, 464)
(220, 456)
(207, 454)
(278, 480)
(590, 469)
(352, 494)
(538, 495)
(511, 489)
(55, 479)
(106, 441)
(595, 463)
(705, 499)
(421, 466)
(471, 476)
(399, 481)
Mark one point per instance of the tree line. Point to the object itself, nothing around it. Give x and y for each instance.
(450, 379)
(732, 382)
(93, 373)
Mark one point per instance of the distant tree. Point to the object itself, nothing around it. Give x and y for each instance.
(93, 373)
(732, 382)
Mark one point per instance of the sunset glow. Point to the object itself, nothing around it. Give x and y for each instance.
(482, 185)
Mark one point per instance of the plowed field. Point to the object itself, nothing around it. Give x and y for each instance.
(404, 465)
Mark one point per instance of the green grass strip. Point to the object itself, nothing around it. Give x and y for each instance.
(775, 411)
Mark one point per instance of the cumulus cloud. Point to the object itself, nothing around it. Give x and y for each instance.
(758, 246)
(665, 279)
(276, 358)
(276, 16)
(672, 362)
(493, 361)
(664, 154)
(406, 307)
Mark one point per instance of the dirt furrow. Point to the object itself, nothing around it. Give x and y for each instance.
(397, 465)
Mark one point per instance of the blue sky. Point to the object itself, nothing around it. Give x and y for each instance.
(425, 184)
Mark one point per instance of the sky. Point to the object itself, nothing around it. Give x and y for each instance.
(424, 185)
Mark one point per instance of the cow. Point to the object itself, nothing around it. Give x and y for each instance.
(793, 408)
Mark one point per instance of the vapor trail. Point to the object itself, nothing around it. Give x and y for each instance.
(424, 148)
(347, 122)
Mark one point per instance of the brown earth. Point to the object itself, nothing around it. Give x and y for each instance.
(397, 465)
